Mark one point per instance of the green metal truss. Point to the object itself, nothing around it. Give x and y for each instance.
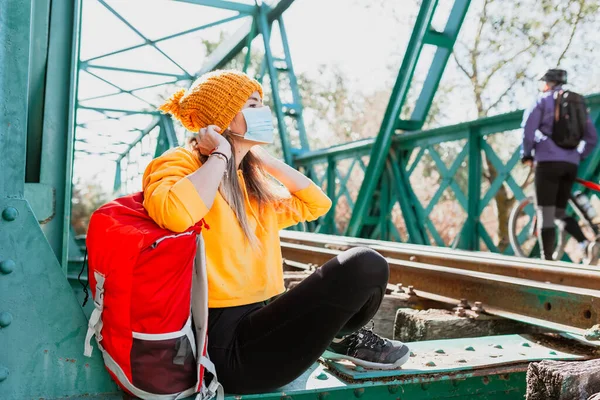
(423, 34)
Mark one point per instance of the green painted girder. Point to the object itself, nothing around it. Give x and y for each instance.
(274, 67)
(227, 50)
(422, 35)
(223, 5)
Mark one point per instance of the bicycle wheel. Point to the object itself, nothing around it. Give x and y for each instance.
(522, 227)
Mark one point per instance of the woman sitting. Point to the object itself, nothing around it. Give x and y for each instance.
(246, 196)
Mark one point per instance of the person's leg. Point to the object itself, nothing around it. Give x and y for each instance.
(547, 178)
(562, 199)
(278, 342)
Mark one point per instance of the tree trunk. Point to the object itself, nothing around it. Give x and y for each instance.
(504, 205)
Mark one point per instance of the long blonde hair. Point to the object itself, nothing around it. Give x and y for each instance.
(260, 186)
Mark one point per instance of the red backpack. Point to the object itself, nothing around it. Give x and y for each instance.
(150, 303)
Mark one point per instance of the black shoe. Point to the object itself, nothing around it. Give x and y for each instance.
(369, 350)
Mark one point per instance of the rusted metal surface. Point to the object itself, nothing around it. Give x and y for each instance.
(558, 307)
(561, 273)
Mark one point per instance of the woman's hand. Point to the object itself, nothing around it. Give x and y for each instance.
(210, 138)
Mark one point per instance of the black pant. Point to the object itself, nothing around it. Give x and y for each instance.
(553, 184)
(260, 347)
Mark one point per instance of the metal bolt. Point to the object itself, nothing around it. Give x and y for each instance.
(498, 346)
(462, 360)
(469, 348)
(525, 344)
(10, 214)
(440, 351)
(322, 376)
(359, 392)
(412, 258)
(460, 311)
(5, 319)
(463, 303)
(412, 354)
(323, 396)
(7, 266)
(393, 389)
(477, 307)
(4, 372)
(411, 291)
(553, 352)
(430, 364)
(359, 368)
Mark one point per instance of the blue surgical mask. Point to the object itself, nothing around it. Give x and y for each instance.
(259, 123)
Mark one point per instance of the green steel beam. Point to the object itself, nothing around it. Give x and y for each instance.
(15, 18)
(227, 50)
(164, 38)
(264, 28)
(223, 5)
(469, 236)
(38, 53)
(85, 66)
(444, 42)
(391, 120)
(143, 37)
(118, 110)
(155, 122)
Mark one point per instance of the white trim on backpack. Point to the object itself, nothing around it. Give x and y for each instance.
(95, 322)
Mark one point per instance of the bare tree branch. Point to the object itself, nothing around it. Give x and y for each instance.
(578, 19)
(503, 63)
(462, 68)
(508, 89)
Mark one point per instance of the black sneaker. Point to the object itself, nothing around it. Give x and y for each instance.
(369, 350)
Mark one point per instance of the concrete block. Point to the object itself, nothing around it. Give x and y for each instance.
(563, 380)
(418, 325)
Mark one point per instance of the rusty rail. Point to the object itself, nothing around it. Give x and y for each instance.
(559, 307)
(578, 276)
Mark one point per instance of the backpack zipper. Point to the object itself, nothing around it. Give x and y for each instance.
(155, 244)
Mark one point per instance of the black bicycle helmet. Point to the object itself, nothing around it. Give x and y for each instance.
(555, 75)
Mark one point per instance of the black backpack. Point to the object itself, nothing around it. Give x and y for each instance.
(570, 115)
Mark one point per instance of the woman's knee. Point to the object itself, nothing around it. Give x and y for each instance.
(363, 263)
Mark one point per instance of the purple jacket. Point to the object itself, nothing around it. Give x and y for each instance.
(537, 129)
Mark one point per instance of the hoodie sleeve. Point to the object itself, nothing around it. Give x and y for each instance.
(304, 205)
(170, 198)
(531, 122)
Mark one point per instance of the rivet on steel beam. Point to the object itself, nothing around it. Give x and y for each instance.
(322, 376)
(359, 392)
(462, 360)
(430, 364)
(485, 380)
(469, 348)
(322, 396)
(498, 346)
(411, 291)
(393, 389)
(463, 303)
(284, 397)
(7, 266)
(359, 368)
(4, 373)
(477, 307)
(412, 258)
(525, 344)
(440, 351)
(553, 352)
(5, 319)
(10, 214)
(424, 386)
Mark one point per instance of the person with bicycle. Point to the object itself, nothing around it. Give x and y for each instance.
(557, 134)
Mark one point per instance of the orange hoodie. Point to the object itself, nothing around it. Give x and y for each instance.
(237, 274)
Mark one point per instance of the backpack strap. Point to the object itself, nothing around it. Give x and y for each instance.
(557, 98)
(95, 322)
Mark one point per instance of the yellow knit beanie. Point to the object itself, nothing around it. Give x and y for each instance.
(213, 99)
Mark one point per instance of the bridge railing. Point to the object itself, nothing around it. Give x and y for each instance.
(449, 186)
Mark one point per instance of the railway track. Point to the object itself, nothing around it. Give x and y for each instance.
(556, 296)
